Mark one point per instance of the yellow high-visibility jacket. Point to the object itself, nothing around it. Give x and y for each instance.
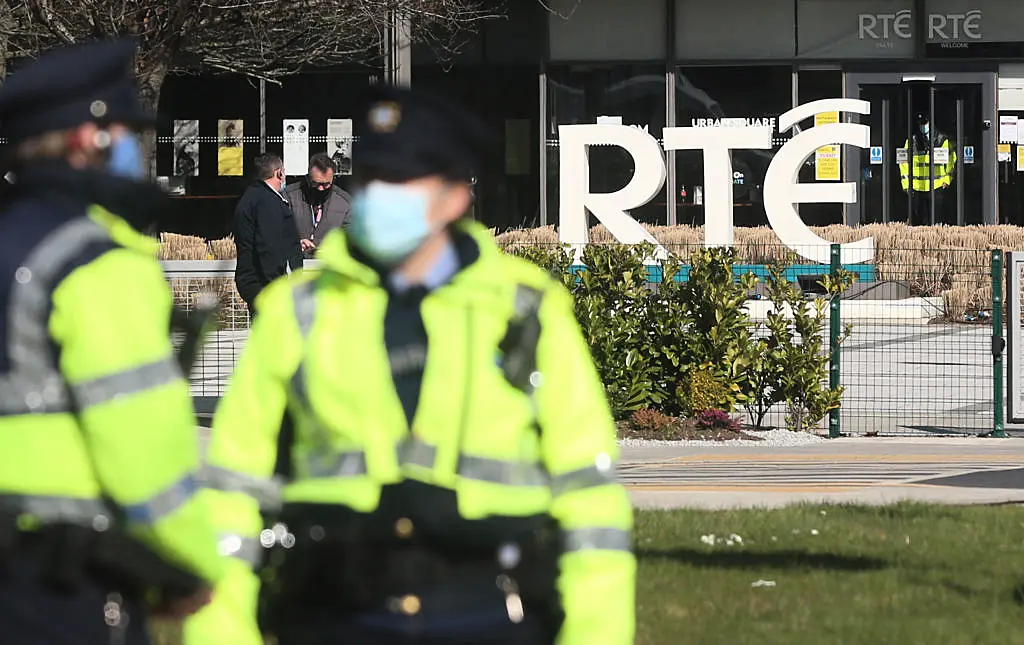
(317, 351)
(93, 406)
(922, 174)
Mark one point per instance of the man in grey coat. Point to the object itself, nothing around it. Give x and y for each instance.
(319, 206)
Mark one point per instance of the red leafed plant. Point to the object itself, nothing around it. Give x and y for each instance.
(712, 419)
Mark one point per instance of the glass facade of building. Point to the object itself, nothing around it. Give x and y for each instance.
(654, 64)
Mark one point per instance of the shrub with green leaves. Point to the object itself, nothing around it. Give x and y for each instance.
(793, 369)
(718, 336)
(682, 347)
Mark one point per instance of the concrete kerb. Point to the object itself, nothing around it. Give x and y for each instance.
(758, 483)
(868, 496)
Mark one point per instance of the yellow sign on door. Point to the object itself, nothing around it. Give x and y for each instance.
(827, 158)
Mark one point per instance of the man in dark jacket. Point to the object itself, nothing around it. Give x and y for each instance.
(266, 238)
(317, 204)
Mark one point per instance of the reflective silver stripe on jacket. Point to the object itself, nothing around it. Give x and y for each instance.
(34, 384)
(414, 452)
(246, 549)
(597, 539)
(52, 509)
(344, 464)
(267, 492)
(131, 381)
(304, 300)
(601, 473)
(163, 503)
(499, 471)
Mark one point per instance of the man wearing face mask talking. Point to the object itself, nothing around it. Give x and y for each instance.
(430, 407)
(317, 204)
(97, 432)
(266, 238)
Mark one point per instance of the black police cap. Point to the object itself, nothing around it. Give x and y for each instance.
(405, 133)
(70, 86)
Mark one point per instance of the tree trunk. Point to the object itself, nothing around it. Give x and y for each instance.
(151, 81)
(8, 24)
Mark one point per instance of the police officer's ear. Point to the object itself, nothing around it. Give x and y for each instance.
(85, 143)
(88, 145)
(458, 197)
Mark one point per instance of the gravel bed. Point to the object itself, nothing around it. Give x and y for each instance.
(770, 438)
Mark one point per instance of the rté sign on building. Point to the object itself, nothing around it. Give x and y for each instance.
(782, 187)
(946, 28)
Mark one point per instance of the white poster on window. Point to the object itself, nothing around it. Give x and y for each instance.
(1008, 128)
(339, 144)
(296, 146)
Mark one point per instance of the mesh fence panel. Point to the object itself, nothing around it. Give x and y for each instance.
(216, 360)
(918, 359)
(930, 373)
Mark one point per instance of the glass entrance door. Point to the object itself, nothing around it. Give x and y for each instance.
(931, 152)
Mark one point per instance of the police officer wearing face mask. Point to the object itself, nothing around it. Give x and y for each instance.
(925, 187)
(97, 431)
(429, 409)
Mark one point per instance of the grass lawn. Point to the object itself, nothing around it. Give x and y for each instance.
(844, 575)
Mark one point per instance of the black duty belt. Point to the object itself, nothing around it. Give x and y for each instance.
(69, 555)
(346, 577)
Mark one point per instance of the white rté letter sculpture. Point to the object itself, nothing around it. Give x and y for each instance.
(782, 188)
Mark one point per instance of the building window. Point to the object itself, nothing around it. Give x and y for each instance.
(814, 85)
(735, 30)
(845, 29)
(712, 97)
(632, 95)
(602, 30)
(506, 99)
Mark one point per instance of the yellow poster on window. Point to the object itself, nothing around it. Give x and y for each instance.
(229, 147)
(827, 158)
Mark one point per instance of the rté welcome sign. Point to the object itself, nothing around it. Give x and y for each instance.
(782, 187)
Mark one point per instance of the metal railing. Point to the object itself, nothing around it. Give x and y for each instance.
(919, 360)
(1015, 337)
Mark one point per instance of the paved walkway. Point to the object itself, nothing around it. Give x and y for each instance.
(856, 470)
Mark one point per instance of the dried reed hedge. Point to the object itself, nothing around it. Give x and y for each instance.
(947, 261)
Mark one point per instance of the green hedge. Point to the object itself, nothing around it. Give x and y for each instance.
(690, 346)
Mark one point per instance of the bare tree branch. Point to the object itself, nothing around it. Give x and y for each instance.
(265, 39)
(260, 38)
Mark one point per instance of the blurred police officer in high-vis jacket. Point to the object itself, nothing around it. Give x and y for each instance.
(98, 447)
(429, 403)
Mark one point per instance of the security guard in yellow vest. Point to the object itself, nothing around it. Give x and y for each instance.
(447, 456)
(98, 516)
(920, 181)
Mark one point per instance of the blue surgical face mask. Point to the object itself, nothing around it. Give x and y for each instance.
(389, 221)
(924, 128)
(126, 158)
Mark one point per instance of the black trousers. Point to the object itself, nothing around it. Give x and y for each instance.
(387, 629)
(32, 613)
(920, 204)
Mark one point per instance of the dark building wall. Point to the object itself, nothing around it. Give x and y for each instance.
(494, 71)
